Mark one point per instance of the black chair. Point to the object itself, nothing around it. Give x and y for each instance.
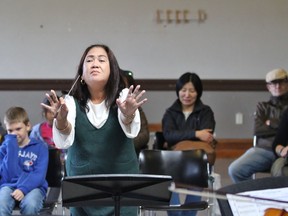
(54, 178)
(186, 167)
(249, 185)
(159, 143)
(159, 140)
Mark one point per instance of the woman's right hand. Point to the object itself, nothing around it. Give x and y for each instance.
(58, 108)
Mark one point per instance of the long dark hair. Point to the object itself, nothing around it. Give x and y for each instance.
(190, 77)
(112, 88)
(127, 78)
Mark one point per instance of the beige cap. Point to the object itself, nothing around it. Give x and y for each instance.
(276, 74)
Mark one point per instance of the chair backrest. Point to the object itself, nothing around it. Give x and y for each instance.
(159, 140)
(190, 145)
(186, 167)
(54, 171)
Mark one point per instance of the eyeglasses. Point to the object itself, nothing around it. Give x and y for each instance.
(279, 82)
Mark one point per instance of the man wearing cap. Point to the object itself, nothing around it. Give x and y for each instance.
(266, 121)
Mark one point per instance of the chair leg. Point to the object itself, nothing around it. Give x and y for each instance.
(150, 213)
(146, 212)
(215, 184)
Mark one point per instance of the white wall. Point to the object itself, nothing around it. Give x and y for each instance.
(241, 39)
(224, 104)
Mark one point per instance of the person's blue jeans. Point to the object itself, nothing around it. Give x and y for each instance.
(252, 161)
(31, 204)
(175, 200)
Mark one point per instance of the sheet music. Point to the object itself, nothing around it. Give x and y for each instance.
(247, 206)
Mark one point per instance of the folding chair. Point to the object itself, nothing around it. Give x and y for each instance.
(186, 167)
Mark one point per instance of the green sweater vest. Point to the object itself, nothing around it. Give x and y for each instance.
(106, 150)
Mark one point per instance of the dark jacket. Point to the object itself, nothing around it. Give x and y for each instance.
(269, 110)
(176, 128)
(281, 137)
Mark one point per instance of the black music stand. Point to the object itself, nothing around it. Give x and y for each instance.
(116, 190)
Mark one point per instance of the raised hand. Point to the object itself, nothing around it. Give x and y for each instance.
(57, 106)
(60, 110)
(133, 100)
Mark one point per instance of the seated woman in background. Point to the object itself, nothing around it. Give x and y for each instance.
(142, 139)
(188, 119)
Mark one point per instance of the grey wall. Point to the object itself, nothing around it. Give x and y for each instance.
(224, 104)
(241, 39)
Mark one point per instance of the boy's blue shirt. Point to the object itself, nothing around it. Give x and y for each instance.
(23, 168)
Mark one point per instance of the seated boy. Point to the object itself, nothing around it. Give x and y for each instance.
(23, 166)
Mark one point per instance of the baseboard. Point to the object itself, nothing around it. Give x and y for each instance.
(232, 148)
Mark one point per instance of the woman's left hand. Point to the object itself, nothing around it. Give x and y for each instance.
(205, 135)
(133, 100)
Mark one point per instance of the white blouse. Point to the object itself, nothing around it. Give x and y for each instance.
(97, 115)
